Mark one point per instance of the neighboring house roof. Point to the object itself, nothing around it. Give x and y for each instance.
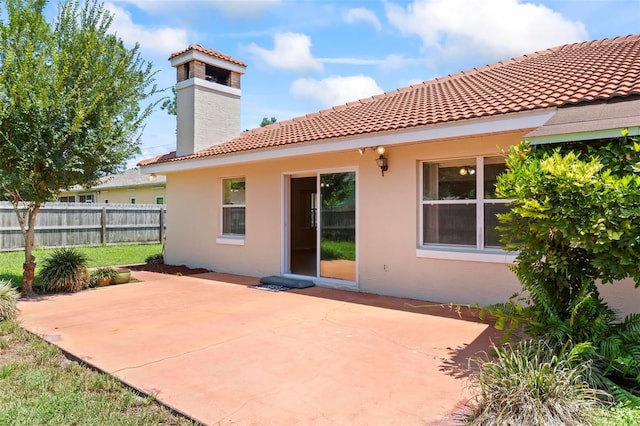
(564, 75)
(127, 179)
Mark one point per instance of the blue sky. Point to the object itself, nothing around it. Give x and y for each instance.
(304, 56)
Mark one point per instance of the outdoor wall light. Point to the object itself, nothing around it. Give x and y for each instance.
(467, 171)
(381, 161)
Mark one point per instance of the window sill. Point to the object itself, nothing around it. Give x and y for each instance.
(469, 255)
(230, 241)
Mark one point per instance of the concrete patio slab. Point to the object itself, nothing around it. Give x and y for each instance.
(224, 353)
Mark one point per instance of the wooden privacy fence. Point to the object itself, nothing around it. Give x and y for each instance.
(85, 224)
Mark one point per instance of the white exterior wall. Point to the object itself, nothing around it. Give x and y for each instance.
(388, 224)
(203, 106)
(185, 99)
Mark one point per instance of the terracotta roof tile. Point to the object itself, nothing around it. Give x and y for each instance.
(211, 52)
(569, 74)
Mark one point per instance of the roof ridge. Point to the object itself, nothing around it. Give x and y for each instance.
(538, 53)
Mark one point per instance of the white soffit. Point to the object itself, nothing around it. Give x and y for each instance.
(596, 120)
(501, 123)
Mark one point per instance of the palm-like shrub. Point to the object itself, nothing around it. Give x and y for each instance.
(8, 299)
(533, 383)
(64, 270)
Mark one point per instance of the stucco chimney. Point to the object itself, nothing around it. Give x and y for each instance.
(207, 98)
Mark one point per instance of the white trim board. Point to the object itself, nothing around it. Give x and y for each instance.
(502, 123)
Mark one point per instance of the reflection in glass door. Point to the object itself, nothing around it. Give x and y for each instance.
(338, 226)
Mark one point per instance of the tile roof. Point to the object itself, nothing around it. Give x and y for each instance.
(211, 52)
(569, 74)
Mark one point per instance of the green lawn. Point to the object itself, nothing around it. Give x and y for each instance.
(338, 250)
(11, 262)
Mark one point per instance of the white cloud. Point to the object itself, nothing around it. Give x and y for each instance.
(336, 90)
(360, 14)
(496, 28)
(390, 62)
(395, 61)
(291, 51)
(159, 39)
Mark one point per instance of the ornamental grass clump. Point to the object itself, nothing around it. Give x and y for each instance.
(8, 300)
(65, 270)
(534, 384)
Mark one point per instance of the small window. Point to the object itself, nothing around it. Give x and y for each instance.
(86, 198)
(159, 199)
(233, 206)
(106, 201)
(67, 199)
(132, 200)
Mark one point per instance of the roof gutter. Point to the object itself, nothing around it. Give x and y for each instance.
(472, 127)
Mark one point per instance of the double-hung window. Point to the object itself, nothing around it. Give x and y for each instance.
(86, 198)
(459, 203)
(233, 207)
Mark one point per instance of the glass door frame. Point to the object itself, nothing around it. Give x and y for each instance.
(286, 231)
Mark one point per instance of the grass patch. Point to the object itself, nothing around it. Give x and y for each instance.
(11, 262)
(331, 250)
(41, 386)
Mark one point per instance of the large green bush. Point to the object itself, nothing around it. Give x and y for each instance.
(65, 270)
(575, 221)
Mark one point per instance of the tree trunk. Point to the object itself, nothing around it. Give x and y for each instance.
(29, 265)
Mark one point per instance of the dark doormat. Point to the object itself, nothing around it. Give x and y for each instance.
(271, 287)
(286, 282)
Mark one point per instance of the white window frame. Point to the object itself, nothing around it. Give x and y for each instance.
(477, 253)
(81, 196)
(231, 239)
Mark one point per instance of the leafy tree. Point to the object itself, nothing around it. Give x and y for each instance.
(576, 221)
(71, 113)
(266, 121)
(169, 103)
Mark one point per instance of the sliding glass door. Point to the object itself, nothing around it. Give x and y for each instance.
(322, 233)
